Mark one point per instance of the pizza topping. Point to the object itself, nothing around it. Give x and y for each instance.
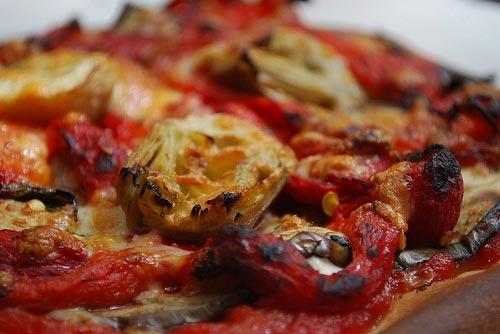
(436, 186)
(42, 250)
(64, 81)
(192, 176)
(94, 153)
(106, 279)
(306, 68)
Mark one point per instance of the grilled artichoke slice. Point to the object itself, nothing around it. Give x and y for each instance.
(303, 67)
(48, 85)
(192, 176)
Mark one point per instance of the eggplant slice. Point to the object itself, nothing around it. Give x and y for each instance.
(162, 311)
(53, 199)
(487, 227)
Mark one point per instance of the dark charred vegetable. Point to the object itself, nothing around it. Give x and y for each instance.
(52, 198)
(487, 227)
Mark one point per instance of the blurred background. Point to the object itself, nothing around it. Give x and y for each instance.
(464, 34)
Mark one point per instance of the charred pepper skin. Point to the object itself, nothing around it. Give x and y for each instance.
(436, 186)
(274, 268)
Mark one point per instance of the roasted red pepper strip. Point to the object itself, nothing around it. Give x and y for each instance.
(385, 70)
(274, 268)
(439, 267)
(40, 251)
(436, 186)
(94, 154)
(13, 320)
(107, 279)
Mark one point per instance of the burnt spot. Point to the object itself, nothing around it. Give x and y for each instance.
(226, 199)
(442, 170)
(294, 118)
(208, 267)
(345, 286)
(208, 27)
(195, 211)
(105, 163)
(159, 199)
(3, 293)
(372, 252)
(271, 253)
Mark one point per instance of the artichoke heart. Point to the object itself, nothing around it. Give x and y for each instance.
(48, 85)
(303, 67)
(192, 176)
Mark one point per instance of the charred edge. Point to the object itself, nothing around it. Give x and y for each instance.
(490, 116)
(195, 211)
(443, 171)
(344, 242)
(451, 80)
(441, 168)
(128, 9)
(421, 155)
(159, 199)
(105, 163)
(3, 293)
(227, 199)
(345, 286)
(272, 252)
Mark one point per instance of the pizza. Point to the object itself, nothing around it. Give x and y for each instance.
(218, 166)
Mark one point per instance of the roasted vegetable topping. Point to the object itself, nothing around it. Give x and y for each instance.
(195, 175)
